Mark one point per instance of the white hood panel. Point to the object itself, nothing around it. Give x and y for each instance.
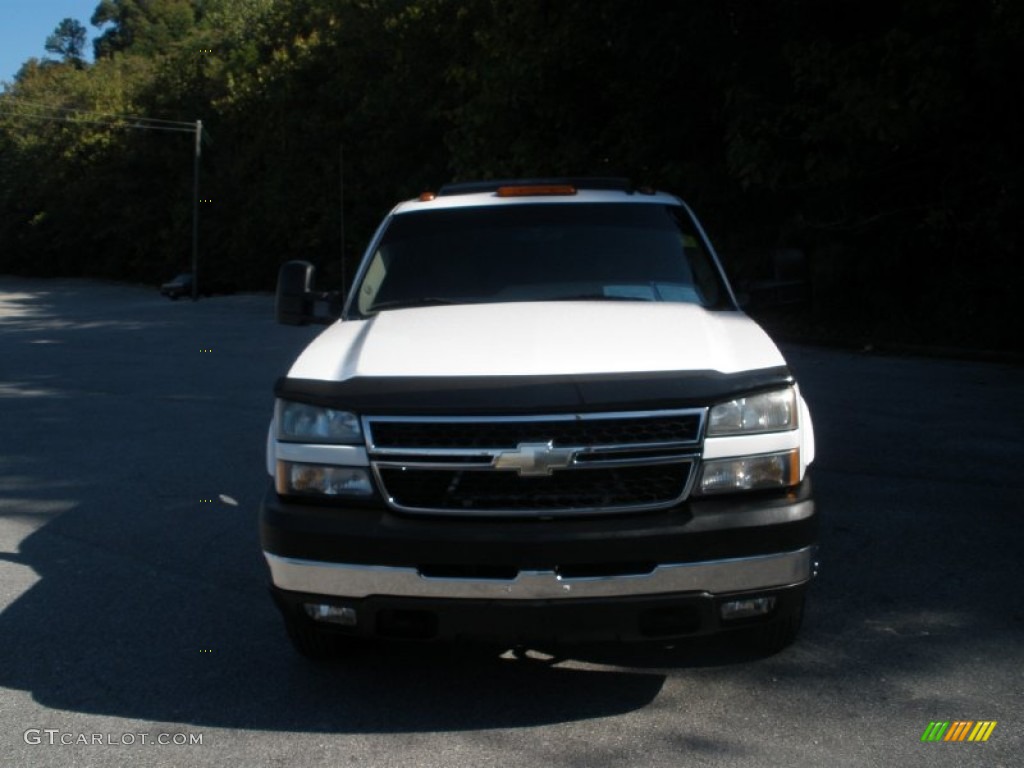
(538, 338)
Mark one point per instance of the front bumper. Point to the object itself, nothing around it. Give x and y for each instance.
(661, 574)
(715, 576)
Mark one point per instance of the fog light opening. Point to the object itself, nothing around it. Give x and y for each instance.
(746, 608)
(331, 614)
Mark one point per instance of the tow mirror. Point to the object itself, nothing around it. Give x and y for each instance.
(296, 299)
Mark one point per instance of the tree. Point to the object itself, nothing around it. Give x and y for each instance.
(145, 27)
(68, 41)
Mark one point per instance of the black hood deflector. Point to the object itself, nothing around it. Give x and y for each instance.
(496, 395)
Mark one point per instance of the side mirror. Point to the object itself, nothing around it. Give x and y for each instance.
(295, 297)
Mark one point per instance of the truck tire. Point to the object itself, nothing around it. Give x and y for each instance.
(768, 639)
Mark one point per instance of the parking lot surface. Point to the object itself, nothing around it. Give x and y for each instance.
(136, 627)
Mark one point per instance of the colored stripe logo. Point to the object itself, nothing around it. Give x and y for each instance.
(958, 730)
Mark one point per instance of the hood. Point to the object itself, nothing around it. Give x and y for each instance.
(538, 338)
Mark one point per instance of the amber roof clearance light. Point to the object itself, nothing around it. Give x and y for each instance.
(531, 190)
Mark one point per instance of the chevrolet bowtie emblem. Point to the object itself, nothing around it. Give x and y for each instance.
(534, 459)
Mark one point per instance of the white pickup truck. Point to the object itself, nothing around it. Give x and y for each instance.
(541, 417)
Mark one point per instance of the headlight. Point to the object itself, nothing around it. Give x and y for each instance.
(322, 480)
(750, 473)
(299, 422)
(767, 412)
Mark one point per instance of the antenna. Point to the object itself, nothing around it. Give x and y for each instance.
(341, 214)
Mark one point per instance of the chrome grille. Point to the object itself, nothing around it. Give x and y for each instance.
(547, 465)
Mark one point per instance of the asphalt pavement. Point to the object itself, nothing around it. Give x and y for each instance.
(135, 626)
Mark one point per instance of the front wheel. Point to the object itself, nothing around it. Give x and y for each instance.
(779, 633)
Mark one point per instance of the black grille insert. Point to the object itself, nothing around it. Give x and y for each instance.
(605, 488)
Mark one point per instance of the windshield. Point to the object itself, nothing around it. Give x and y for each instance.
(540, 252)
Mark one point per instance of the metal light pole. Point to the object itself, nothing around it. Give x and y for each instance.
(195, 211)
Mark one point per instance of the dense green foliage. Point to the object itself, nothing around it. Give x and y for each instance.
(883, 139)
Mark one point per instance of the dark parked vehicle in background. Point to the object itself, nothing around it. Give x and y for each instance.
(179, 286)
(182, 286)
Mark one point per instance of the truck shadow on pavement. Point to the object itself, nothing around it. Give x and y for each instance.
(110, 637)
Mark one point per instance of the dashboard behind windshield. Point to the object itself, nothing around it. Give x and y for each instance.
(540, 252)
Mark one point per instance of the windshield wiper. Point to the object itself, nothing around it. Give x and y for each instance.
(422, 301)
(599, 297)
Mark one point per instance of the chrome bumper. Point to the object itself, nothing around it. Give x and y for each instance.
(714, 577)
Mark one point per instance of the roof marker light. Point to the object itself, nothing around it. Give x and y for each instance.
(530, 190)
(426, 197)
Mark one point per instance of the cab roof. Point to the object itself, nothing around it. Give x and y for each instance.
(578, 182)
(534, 190)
